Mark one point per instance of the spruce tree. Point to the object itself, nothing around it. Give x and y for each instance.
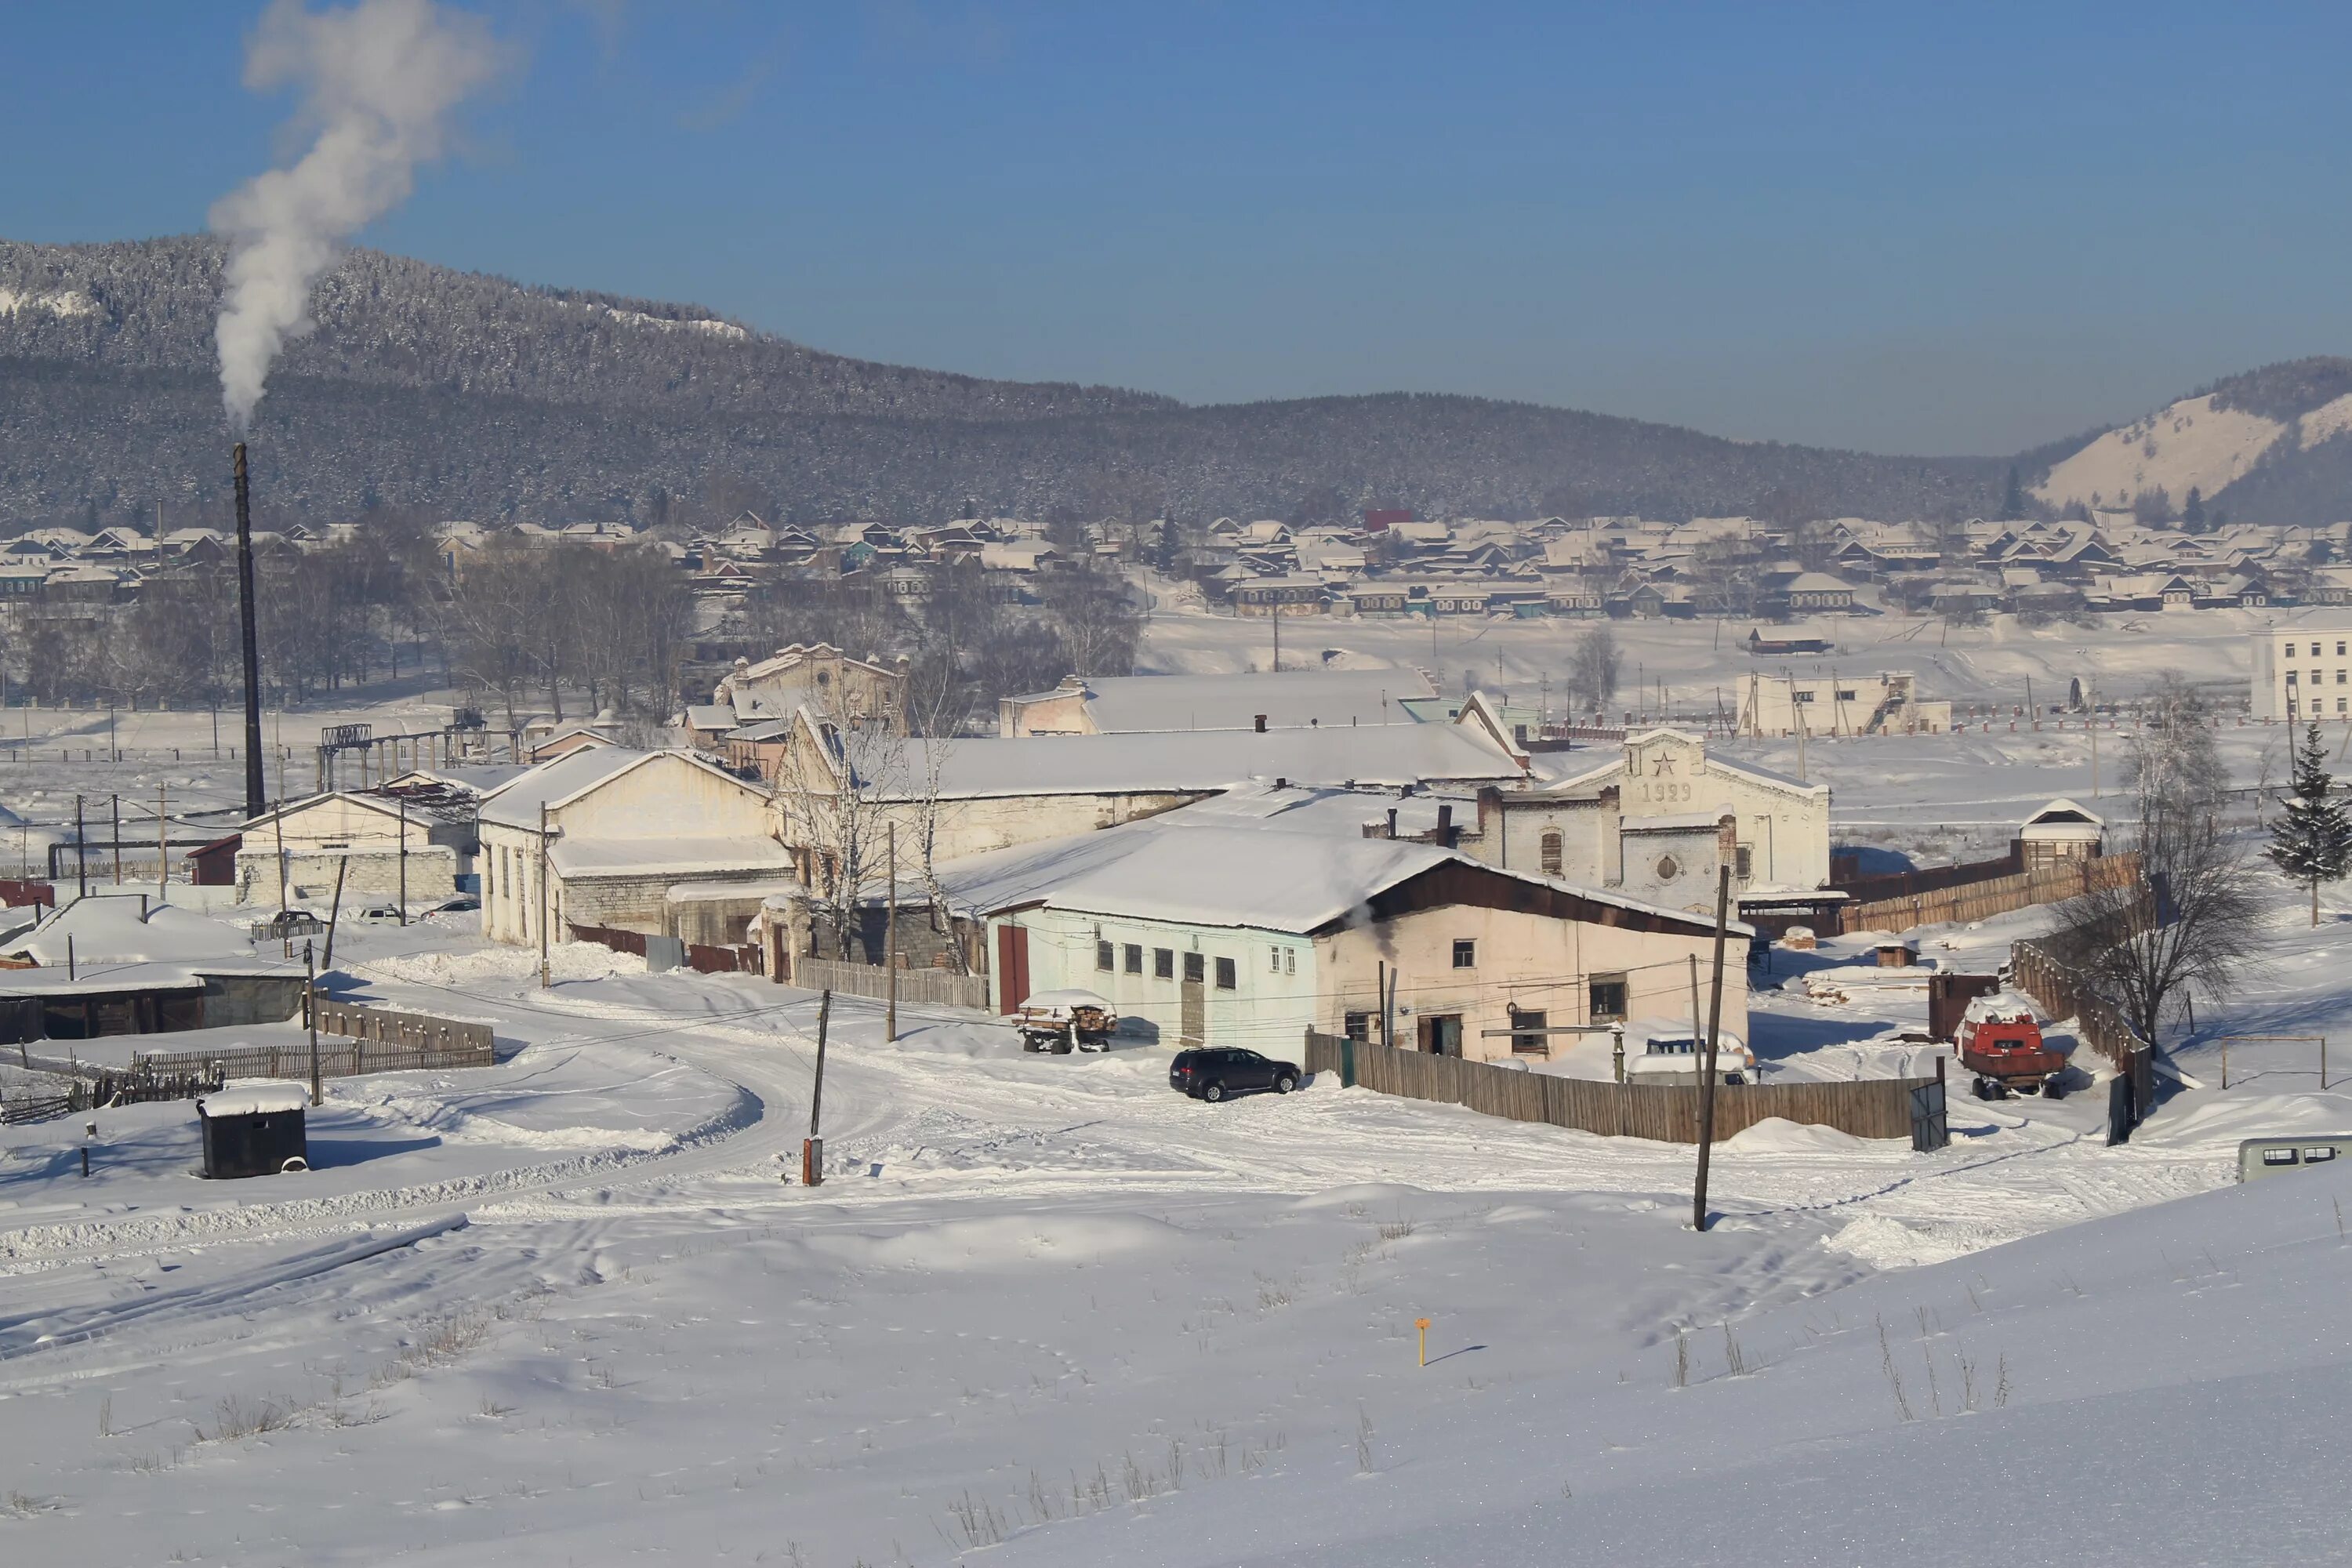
(2313, 842)
(2192, 511)
(2012, 496)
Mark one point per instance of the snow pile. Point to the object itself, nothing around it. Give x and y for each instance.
(110, 929)
(486, 966)
(1778, 1135)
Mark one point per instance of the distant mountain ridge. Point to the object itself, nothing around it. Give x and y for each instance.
(477, 396)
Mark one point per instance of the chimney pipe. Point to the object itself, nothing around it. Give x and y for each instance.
(1260, 725)
(256, 788)
(1445, 825)
(1392, 811)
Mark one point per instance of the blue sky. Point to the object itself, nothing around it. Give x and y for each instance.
(1915, 228)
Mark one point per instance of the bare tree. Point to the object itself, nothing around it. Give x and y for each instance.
(1594, 667)
(835, 807)
(2192, 922)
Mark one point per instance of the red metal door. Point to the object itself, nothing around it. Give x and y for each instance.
(1012, 966)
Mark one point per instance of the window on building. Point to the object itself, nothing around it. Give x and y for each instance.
(1103, 957)
(1163, 963)
(1274, 960)
(1358, 1026)
(1465, 954)
(1226, 977)
(1800, 697)
(1742, 862)
(2339, 650)
(1194, 968)
(1133, 955)
(1549, 851)
(1536, 1044)
(1607, 997)
(1845, 696)
(1290, 960)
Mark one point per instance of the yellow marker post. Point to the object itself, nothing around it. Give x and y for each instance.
(1423, 1324)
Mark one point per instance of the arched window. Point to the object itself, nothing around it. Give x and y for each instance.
(1551, 852)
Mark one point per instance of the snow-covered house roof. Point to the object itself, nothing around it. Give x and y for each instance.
(1216, 869)
(1127, 703)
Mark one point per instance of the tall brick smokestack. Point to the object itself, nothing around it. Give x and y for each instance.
(256, 787)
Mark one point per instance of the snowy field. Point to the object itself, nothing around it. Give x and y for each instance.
(576, 1308)
(1972, 664)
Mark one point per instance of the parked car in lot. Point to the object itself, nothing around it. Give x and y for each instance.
(1064, 1021)
(1213, 1072)
(379, 915)
(464, 903)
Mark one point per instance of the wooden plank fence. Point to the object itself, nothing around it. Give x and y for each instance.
(1982, 900)
(371, 1039)
(1872, 1108)
(108, 1086)
(613, 937)
(917, 987)
(2060, 994)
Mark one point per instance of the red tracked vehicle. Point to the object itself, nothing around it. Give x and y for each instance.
(2000, 1042)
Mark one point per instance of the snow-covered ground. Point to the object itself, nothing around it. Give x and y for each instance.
(576, 1308)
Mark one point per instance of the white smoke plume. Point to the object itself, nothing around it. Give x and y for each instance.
(379, 81)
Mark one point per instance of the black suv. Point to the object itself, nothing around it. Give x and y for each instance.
(1214, 1072)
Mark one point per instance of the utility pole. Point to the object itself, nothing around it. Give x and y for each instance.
(813, 1149)
(1714, 1025)
(1799, 708)
(81, 855)
(311, 1014)
(114, 805)
(544, 979)
(335, 908)
(256, 784)
(1277, 631)
(404, 858)
(162, 837)
(281, 821)
(890, 939)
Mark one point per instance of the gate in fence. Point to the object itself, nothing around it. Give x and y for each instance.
(1929, 1128)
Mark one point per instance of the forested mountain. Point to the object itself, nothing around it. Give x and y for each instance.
(474, 396)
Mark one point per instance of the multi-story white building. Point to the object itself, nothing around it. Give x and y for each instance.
(2303, 672)
(1886, 702)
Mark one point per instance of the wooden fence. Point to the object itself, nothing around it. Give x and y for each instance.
(701, 957)
(1982, 900)
(1872, 1108)
(108, 1086)
(2060, 994)
(612, 937)
(368, 1039)
(917, 987)
(705, 959)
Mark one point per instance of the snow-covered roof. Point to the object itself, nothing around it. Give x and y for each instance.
(1206, 760)
(516, 803)
(253, 1096)
(1289, 699)
(1203, 866)
(672, 856)
(108, 929)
